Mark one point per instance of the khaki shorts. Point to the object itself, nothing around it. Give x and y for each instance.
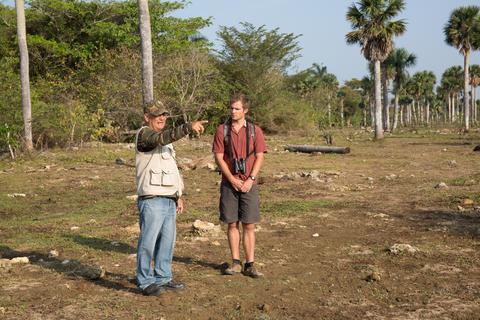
(238, 206)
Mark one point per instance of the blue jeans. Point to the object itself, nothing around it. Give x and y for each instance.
(156, 241)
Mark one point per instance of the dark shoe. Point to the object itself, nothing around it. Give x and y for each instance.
(252, 272)
(152, 290)
(233, 269)
(173, 285)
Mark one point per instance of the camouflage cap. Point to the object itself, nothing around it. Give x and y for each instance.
(155, 108)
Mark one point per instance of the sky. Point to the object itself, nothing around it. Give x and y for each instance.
(323, 26)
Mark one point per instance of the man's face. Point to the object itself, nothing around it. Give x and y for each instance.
(156, 123)
(237, 112)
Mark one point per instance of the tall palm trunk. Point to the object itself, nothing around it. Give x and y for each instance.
(378, 102)
(466, 78)
(386, 115)
(147, 60)
(396, 112)
(24, 76)
(341, 112)
(427, 113)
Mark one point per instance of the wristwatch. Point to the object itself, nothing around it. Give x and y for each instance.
(252, 177)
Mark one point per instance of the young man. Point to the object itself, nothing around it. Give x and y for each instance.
(239, 147)
(159, 188)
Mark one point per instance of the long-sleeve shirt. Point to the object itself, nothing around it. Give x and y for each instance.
(149, 139)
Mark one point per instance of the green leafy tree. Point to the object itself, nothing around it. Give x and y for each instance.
(254, 60)
(462, 31)
(373, 30)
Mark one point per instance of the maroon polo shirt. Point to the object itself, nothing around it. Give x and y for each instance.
(239, 148)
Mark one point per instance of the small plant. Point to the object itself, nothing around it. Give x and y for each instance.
(8, 140)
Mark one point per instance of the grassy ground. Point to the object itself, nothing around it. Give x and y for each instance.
(380, 194)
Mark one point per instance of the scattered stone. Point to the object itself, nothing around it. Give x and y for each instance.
(198, 190)
(460, 208)
(115, 243)
(399, 248)
(315, 235)
(391, 177)
(116, 265)
(132, 197)
(444, 149)
(53, 254)
(377, 215)
(452, 163)
(370, 179)
(4, 263)
(16, 195)
(264, 307)
(467, 202)
(20, 260)
(65, 262)
(74, 228)
(120, 161)
(2, 310)
(441, 185)
(185, 164)
(370, 273)
(215, 243)
(203, 228)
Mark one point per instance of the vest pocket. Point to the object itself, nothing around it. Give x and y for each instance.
(156, 177)
(168, 178)
(162, 178)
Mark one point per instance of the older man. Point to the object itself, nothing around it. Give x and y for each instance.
(159, 188)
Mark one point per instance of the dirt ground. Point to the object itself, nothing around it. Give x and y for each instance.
(326, 243)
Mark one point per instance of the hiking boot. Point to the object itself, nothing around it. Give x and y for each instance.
(152, 290)
(252, 272)
(171, 285)
(233, 269)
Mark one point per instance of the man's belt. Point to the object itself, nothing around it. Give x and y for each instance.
(155, 196)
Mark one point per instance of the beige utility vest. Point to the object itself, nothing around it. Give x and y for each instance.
(157, 172)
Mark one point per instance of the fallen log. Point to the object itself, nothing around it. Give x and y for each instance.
(311, 149)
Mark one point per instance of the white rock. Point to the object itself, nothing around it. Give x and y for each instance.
(74, 228)
(215, 243)
(441, 185)
(132, 197)
(65, 262)
(5, 263)
(315, 235)
(16, 195)
(205, 228)
(399, 248)
(20, 260)
(53, 254)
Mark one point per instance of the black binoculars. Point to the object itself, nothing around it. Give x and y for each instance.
(239, 166)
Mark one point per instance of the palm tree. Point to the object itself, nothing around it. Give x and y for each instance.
(474, 82)
(373, 29)
(451, 83)
(147, 60)
(400, 60)
(24, 77)
(462, 31)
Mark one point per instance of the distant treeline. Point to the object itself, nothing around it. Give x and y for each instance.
(86, 78)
